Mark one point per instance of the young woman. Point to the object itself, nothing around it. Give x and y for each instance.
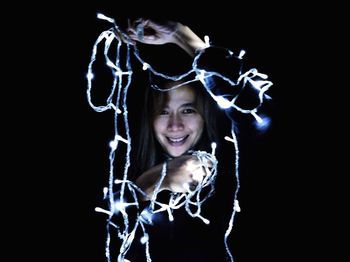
(177, 119)
(175, 123)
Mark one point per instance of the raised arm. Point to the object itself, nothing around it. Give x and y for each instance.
(150, 32)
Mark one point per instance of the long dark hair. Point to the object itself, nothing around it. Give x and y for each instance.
(148, 152)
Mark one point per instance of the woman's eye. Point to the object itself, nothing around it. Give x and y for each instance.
(189, 111)
(163, 112)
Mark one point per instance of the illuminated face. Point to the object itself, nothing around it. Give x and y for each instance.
(179, 125)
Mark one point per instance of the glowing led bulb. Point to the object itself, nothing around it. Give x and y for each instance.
(213, 148)
(98, 209)
(236, 206)
(105, 191)
(144, 239)
(113, 144)
(89, 76)
(263, 124)
(206, 221)
(241, 54)
(206, 40)
(227, 138)
(103, 17)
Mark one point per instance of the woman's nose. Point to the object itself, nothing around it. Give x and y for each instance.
(175, 122)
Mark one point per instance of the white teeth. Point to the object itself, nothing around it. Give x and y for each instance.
(176, 140)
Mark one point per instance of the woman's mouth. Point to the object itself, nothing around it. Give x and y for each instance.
(177, 141)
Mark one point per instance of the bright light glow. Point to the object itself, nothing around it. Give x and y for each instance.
(241, 54)
(223, 103)
(103, 17)
(144, 239)
(89, 76)
(206, 40)
(263, 124)
(113, 145)
(236, 206)
(228, 138)
(213, 148)
(98, 209)
(145, 66)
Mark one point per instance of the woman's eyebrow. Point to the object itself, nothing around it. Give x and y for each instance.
(188, 104)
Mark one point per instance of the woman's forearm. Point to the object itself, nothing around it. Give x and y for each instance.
(188, 40)
(148, 180)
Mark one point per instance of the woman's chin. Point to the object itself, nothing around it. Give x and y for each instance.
(177, 152)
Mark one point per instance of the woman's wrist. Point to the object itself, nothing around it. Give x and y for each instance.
(149, 181)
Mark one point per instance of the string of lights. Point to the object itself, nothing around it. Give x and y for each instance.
(116, 101)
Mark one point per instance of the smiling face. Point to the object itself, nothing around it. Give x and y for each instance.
(178, 125)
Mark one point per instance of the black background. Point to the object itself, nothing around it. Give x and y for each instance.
(64, 148)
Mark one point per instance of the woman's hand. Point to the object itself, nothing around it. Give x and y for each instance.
(150, 32)
(184, 173)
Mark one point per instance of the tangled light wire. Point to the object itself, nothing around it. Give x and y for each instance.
(192, 199)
